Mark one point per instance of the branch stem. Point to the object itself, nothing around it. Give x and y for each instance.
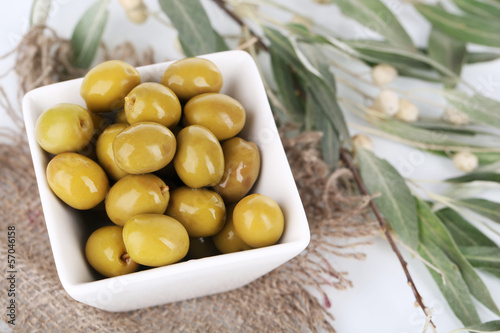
(346, 158)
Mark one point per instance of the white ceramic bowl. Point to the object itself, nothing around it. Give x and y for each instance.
(193, 278)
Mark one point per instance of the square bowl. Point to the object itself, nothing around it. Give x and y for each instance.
(67, 228)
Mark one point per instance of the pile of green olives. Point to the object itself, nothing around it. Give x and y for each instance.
(165, 163)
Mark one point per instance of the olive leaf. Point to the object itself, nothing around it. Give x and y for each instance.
(377, 17)
(479, 8)
(476, 176)
(484, 207)
(40, 12)
(440, 126)
(433, 229)
(466, 28)
(463, 232)
(88, 33)
(318, 87)
(395, 202)
(284, 79)
(488, 327)
(193, 25)
(478, 107)
(447, 51)
(478, 57)
(454, 289)
(482, 256)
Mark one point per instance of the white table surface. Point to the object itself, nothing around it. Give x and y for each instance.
(380, 300)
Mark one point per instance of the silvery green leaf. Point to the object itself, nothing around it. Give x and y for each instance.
(195, 31)
(479, 8)
(88, 33)
(488, 327)
(454, 289)
(463, 232)
(478, 57)
(396, 203)
(482, 256)
(447, 50)
(433, 229)
(40, 10)
(479, 108)
(375, 15)
(438, 126)
(284, 79)
(476, 176)
(467, 28)
(322, 92)
(484, 207)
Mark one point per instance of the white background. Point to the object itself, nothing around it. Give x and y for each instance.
(380, 300)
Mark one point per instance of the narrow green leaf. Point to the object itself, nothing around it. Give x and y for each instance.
(433, 229)
(454, 289)
(322, 91)
(447, 50)
(476, 176)
(478, 107)
(464, 233)
(374, 15)
(486, 208)
(478, 57)
(195, 31)
(88, 33)
(284, 79)
(436, 125)
(492, 271)
(489, 327)
(396, 203)
(479, 8)
(482, 256)
(40, 10)
(469, 29)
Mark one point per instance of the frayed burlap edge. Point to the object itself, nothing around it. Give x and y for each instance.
(282, 300)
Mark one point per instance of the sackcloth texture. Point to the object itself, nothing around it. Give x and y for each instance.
(291, 298)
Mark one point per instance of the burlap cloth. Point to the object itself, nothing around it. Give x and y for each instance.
(289, 299)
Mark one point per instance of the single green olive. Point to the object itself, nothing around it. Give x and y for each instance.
(106, 253)
(221, 114)
(189, 77)
(242, 167)
(199, 160)
(105, 154)
(136, 194)
(144, 147)
(65, 127)
(201, 211)
(155, 239)
(154, 102)
(227, 240)
(77, 180)
(105, 86)
(258, 220)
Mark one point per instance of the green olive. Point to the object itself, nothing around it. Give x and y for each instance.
(201, 211)
(227, 240)
(77, 180)
(136, 194)
(258, 220)
(154, 102)
(105, 86)
(106, 253)
(199, 160)
(221, 114)
(201, 247)
(65, 127)
(155, 239)
(144, 147)
(105, 154)
(242, 166)
(189, 77)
